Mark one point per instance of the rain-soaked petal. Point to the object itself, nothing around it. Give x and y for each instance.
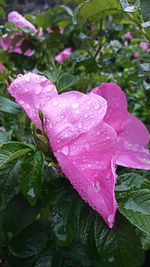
(132, 135)
(131, 145)
(117, 104)
(31, 91)
(84, 146)
(20, 21)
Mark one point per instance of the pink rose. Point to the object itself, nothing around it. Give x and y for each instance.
(64, 55)
(20, 21)
(6, 44)
(6, 41)
(132, 135)
(128, 36)
(89, 134)
(144, 46)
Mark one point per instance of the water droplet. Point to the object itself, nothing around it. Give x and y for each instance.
(20, 75)
(97, 186)
(38, 90)
(27, 78)
(111, 259)
(21, 102)
(27, 106)
(80, 124)
(75, 105)
(31, 193)
(55, 103)
(85, 115)
(111, 218)
(66, 150)
(97, 106)
(48, 88)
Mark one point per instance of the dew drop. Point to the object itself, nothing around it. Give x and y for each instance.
(27, 106)
(111, 259)
(110, 218)
(48, 88)
(97, 187)
(31, 192)
(38, 90)
(80, 125)
(75, 105)
(20, 75)
(21, 102)
(55, 103)
(97, 106)
(65, 150)
(27, 78)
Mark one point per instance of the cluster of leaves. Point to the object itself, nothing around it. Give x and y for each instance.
(43, 221)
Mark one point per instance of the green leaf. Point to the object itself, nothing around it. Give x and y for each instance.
(130, 182)
(64, 209)
(9, 106)
(48, 258)
(5, 136)
(136, 208)
(145, 7)
(13, 150)
(18, 215)
(119, 246)
(97, 8)
(9, 182)
(67, 81)
(30, 176)
(31, 241)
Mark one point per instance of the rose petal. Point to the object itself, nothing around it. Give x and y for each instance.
(132, 142)
(20, 21)
(63, 55)
(84, 146)
(31, 91)
(117, 104)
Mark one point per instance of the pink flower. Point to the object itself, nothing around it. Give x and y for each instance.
(128, 36)
(61, 31)
(1, 66)
(6, 41)
(144, 46)
(87, 134)
(6, 44)
(132, 135)
(64, 55)
(20, 21)
(49, 30)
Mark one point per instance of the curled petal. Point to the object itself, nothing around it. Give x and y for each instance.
(84, 146)
(131, 145)
(64, 55)
(31, 91)
(20, 21)
(117, 104)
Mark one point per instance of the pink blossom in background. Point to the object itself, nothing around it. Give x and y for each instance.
(6, 41)
(144, 46)
(20, 21)
(132, 135)
(1, 66)
(61, 31)
(89, 134)
(128, 36)
(49, 30)
(6, 44)
(64, 55)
